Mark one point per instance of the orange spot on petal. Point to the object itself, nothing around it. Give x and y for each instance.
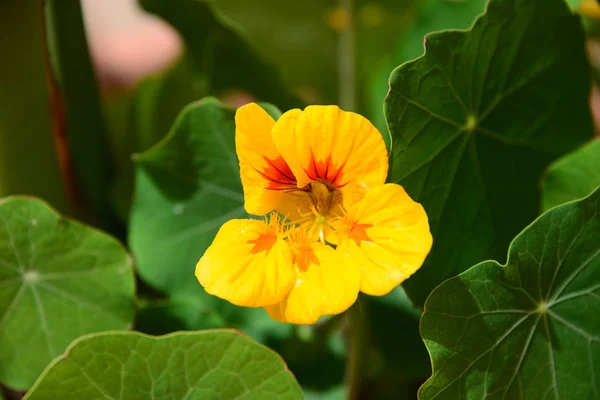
(304, 258)
(263, 243)
(358, 233)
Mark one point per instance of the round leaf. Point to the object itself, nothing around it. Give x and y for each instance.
(59, 280)
(528, 329)
(475, 121)
(572, 177)
(191, 366)
(186, 187)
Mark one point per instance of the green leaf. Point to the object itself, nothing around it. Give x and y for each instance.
(572, 177)
(28, 159)
(221, 58)
(186, 187)
(528, 329)
(475, 121)
(192, 365)
(431, 16)
(159, 99)
(59, 280)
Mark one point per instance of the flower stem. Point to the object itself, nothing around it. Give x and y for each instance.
(356, 337)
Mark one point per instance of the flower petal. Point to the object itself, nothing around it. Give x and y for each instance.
(387, 235)
(265, 175)
(247, 264)
(327, 284)
(324, 143)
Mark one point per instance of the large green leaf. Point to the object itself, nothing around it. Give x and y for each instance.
(192, 366)
(475, 121)
(186, 187)
(58, 280)
(572, 177)
(430, 16)
(528, 329)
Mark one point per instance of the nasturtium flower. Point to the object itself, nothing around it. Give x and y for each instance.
(331, 227)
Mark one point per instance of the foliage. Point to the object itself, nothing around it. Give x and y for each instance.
(475, 121)
(59, 280)
(527, 328)
(488, 125)
(572, 177)
(193, 365)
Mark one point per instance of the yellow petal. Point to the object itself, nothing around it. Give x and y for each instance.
(247, 264)
(265, 175)
(324, 143)
(387, 235)
(327, 284)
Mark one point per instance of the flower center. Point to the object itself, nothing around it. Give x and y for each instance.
(326, 205)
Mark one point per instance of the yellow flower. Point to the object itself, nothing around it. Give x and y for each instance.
(332, 227)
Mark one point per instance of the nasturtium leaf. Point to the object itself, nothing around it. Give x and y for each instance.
(186, 187)
(59, 280)
(572, 177)
(429, 16)
(204, 365)
(528, 329)
(477, 118)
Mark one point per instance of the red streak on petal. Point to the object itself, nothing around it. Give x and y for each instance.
(325, 170)
(279, 174)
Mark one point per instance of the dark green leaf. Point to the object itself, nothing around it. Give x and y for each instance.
(528, 329)
(208, 365)
(476, 120)
(186, 187)
(430, 16)
(58, 280)
(573, 176)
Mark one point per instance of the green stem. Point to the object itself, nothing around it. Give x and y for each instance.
(357, 338)
(80, 109)
(28, 159)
